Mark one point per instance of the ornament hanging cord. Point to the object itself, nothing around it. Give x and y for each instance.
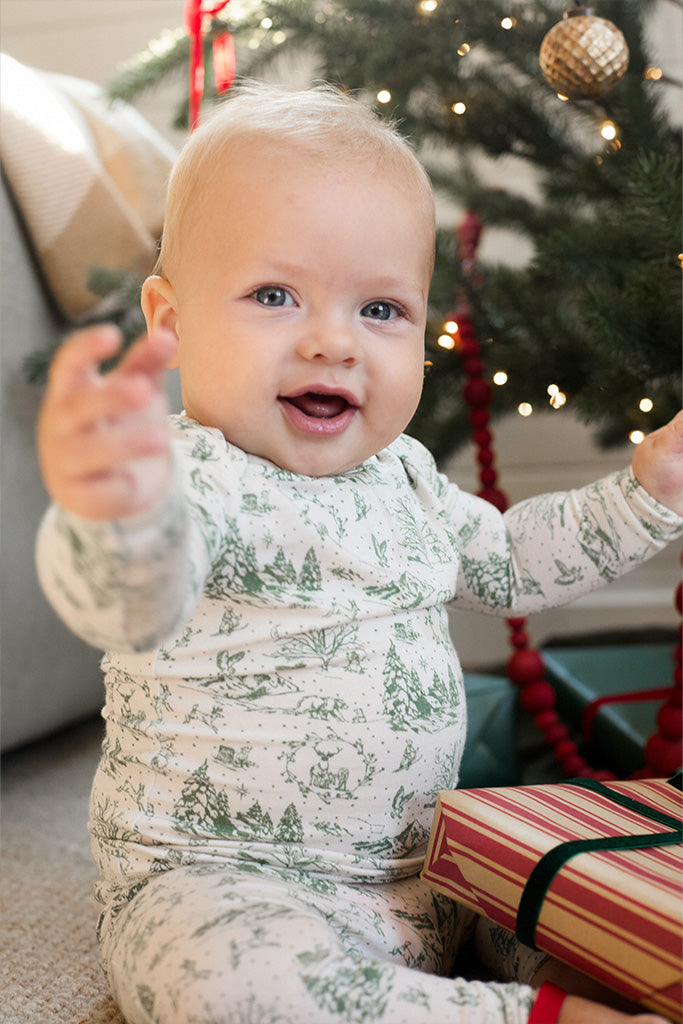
(196, 15)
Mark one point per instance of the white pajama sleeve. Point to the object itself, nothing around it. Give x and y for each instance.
(127, 584)
(553, 548)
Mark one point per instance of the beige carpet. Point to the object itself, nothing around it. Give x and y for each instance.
(49, 971)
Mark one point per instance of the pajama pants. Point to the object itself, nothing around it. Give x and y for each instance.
(235, 944)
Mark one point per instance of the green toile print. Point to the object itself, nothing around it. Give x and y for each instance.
(405, 701)
(422, 542)
(211, 718)
(230, 623)
(258, 504)
(248, 689)
(410, 756)
(334, 645)
(357, 994)
(599, 544)
(235, 758)
(567, 574)
(325, 708)
(201, 807)
(310, 577)
(330, 767)
(282, 569)
(488, 578)
(406, 591)
(409, 841)
(398, 804)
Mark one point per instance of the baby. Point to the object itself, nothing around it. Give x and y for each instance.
(269, 579)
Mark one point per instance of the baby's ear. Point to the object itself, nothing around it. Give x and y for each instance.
(160, 309)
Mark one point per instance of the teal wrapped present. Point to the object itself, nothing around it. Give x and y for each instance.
(583, 676)
(490, 757)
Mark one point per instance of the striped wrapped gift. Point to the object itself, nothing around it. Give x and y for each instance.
(590, 873)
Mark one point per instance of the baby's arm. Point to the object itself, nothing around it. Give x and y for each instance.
(551, 549)
(116, 555)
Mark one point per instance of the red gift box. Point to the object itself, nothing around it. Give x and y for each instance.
(552, 864)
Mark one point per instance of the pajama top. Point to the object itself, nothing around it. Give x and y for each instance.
(281, 686)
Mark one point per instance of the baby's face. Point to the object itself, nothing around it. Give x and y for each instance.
(301, 305)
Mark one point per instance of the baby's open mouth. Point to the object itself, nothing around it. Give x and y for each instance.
(318, 406)
(320, 412)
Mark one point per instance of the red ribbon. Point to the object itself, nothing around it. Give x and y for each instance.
(548, 1004)
(592, 708)
(196, 14)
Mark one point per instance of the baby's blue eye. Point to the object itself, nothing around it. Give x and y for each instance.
(273, 295)
(379, 310)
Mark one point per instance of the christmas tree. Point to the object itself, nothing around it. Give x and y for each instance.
(595, 312)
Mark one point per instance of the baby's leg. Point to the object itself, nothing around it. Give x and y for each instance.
(509, 960)
(206, 945)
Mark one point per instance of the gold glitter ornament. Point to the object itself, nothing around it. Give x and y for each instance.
(583, 56)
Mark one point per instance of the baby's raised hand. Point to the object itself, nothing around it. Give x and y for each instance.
(103, 443)
(658, 464)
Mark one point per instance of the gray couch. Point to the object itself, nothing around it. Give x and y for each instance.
(82, 186)
(48, 677)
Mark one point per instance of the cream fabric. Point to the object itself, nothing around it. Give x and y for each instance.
(88, 177)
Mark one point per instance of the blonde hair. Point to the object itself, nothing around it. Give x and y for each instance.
(322, 122)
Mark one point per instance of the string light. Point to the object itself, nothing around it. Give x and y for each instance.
(500, 377)
(463, 49)
(450, 327)
(446, 341)
(383, 96)
(428, 6)
(558, 399)
(525, 409)
(654, 74)
(266, 23)
(608, 130)
(646, 405)
(636, 436)
(508, 23)
(561, 96)
(459, 108)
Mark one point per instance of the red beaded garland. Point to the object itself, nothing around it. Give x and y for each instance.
(494, 497)
(670, 721)
(477, 393)
(525, 666)
(663, 756)
(555, 734)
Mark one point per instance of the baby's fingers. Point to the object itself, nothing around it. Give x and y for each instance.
(111, 443)
(77, 362)
(149, 356)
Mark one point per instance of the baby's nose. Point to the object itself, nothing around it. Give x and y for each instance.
(330, 341)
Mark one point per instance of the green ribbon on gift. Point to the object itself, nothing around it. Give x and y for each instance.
(553, 861)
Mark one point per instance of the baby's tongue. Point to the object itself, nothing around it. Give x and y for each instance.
(320, 406)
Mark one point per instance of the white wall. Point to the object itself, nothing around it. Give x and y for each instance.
(89, 38)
